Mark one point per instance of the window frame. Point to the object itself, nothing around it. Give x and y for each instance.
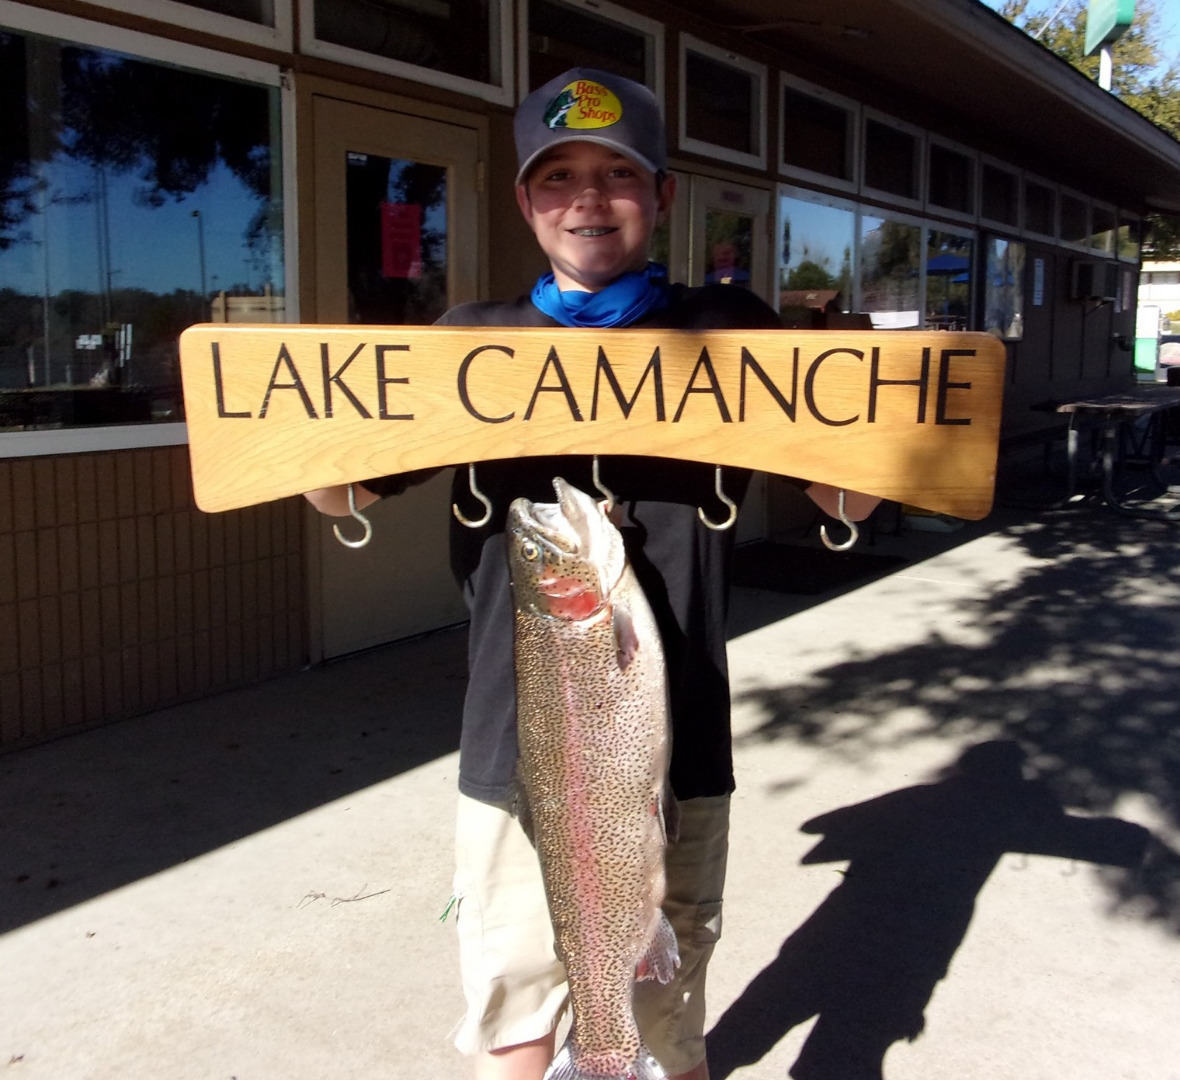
(76, 31)
(868, 115)
(853, 108)
(1074, 245)
(971, 215)
(1126, 217)
(760, 73)
(499, 93)
(1010, 227)
(608, 12)
(1111, 251)
(279, 36)
(1027, 230)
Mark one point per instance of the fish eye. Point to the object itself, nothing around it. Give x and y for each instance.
(530, 550)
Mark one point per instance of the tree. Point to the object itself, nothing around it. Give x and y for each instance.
(1142, 77)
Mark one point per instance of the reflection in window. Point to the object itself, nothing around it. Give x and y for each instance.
(729, 247)
(135, 200)
(952, 179)
(1000, 196)
(397, 234)
(562, 37)
(1075, 220)
(815, 259)
(255, 11)
(890, 260)
(1103, 225)
(1003, 293)
(948, 281)
(722, 104)
(891, 159)
(817, 135)
(450, 36)
(1040, 209)
(1130, 236)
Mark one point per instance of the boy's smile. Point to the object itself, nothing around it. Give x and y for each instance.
(592, 211)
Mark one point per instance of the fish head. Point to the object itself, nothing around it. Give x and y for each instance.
(564, 557)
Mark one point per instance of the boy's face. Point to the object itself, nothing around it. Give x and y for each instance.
(592, 211)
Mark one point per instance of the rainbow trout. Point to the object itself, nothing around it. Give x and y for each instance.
(592, 720)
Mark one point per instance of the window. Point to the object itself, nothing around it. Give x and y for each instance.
(818, 134)
(999, 195)
(818, 243)
(1040, 208)
(463, 45)
(892, 163)
(262, 22)
(722, 104)
(951, 184)
(557, 35)
(1103, 228)
(949, 264)
(890, 268)
(1130, 235)
(1074, 220)
(1003, 293)
(136, 198)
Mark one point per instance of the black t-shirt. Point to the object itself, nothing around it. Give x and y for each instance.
(683, 566)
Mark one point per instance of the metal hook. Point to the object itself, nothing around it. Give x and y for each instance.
(360, 517)
(487, 503)
(603, 490)
(853, 531)
(728, 522)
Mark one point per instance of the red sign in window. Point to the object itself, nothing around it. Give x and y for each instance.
(401, 240)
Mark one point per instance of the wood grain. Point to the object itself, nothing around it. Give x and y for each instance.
(276, 410)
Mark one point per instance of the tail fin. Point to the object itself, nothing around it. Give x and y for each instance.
(566, 1067)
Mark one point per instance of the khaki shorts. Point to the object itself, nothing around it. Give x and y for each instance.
(515, 985)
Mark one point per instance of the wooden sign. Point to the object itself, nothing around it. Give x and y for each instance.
(276, 410)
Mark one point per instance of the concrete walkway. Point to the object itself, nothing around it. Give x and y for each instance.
(250, 887)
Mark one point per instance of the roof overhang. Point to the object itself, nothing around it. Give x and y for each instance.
(959, 69)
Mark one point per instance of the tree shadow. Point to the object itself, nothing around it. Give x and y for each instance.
(868, 959)
(1075, 660)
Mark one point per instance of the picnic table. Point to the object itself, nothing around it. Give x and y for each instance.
(1132, 431)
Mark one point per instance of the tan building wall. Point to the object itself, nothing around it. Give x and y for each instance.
(118, 596)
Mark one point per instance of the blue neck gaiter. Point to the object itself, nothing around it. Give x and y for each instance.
(621, 303)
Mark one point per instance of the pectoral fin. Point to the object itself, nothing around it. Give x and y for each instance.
(626, 638)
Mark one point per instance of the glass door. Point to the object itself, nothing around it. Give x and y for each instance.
(396, 242)
(729, 236)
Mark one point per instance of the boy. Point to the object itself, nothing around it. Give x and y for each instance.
(592, 185)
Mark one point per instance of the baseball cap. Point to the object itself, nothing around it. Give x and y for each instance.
(587, 105)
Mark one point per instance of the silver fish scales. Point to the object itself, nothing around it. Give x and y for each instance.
(592, 721)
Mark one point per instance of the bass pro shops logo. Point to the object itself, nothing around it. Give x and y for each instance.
(583, 105)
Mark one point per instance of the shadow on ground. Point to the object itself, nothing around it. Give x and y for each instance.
(1076, 661)
(867, 961)
(100, 809)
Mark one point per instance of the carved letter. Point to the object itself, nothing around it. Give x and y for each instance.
(788, 407)
(466, 398)
(217, 383)
(653, 369)
(921, 382)
(809, 387)
(944, 384)
(285, 358)
(563, 387)
(714, 388)
(382, 382)
(330, 378)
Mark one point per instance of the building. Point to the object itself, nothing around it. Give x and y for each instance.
(166, 162)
